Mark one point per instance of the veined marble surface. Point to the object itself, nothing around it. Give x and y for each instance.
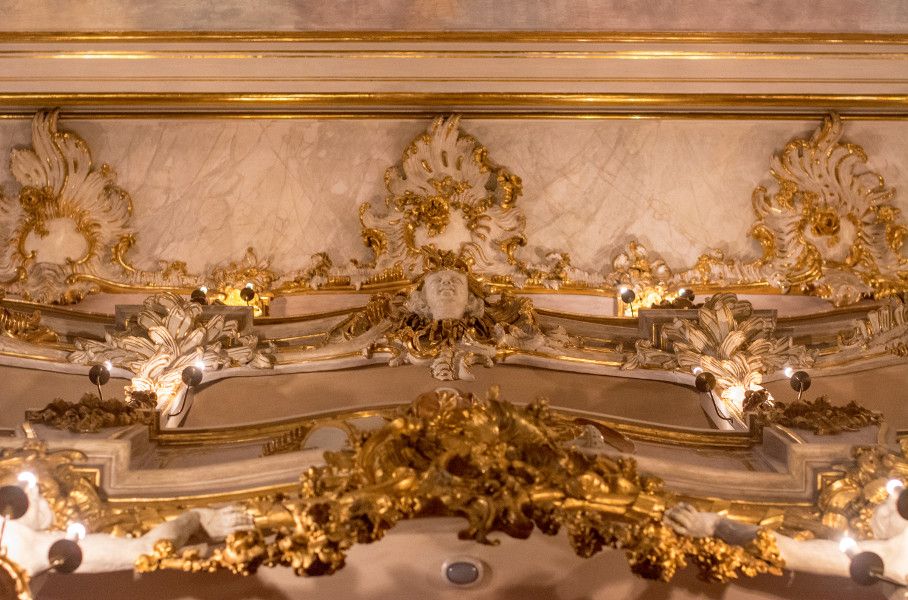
(428, 15)
(205, 190)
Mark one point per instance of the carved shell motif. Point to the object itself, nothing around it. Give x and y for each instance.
(67, 217)
(830, 220)
(448, 193)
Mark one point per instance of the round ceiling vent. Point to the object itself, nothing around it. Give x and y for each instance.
(462, 571)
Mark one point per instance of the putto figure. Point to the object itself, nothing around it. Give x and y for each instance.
(28, 539)
(820, 557)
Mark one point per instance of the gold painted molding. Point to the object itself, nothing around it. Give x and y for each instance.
(586, 103)
(629, 37)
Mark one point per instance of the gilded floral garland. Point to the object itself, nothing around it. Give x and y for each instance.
(501, 467)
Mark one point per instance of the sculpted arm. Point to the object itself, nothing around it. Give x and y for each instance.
(821, 557)
(102, 552)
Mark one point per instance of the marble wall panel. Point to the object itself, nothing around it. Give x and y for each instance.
(205, 190)
(427, 15)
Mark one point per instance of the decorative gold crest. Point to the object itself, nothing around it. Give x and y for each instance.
(500, 467)
(830, 228)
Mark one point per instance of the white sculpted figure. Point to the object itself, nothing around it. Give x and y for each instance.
(28, 539)
(445, 294)
(820, 557)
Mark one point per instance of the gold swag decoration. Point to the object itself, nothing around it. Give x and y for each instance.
(501, 467)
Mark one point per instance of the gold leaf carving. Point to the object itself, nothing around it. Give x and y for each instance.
(500, 467)
(473, 331)
(69, 492)
(829, 229)
(24, 327)
(14, 580)
(446, 192)
(849, 497)
(91, 413)
(818, 416)
(724, 337)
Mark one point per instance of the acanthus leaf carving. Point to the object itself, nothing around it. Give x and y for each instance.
(448, 194)
(167, 335)
(728, 340)
(885, 328)
(501, 467)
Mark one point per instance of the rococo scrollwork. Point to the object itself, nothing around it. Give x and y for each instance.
(503, 468)
(728, 339)
(830, 229)
(449, 320)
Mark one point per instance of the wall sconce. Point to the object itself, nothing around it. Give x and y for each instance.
(199, 295)
(800, 381)
(100, 375)
(248, 293)
(705, 383)
(866, 568)
(193, 374)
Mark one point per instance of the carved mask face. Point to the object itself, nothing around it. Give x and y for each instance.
(447, 293)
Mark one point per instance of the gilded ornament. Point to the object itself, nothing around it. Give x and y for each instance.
(883, 329)
(848, 497)
(91, 414)
(648, 276)
(726, 338)
(70, 492)
(818, 416)
(830, 229)
(500, 467)
(14, 581)
(447, 193)
(228, 282)
(167, 335)
(26, 328)
(447, 319)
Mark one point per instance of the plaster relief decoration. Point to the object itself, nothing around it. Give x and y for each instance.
(24, 327)
(68, 231)
(166, 336)
(448, 320)
(63, 512)
(648, 276)
(883, 330)
(447, 193)
(828, 229)
(724, 338)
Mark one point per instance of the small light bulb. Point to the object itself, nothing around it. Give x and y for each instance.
(789, 372)
(736, 394)
(697, 370)
(682, 291)
(76, 531)
(249, 285)
(29, 479)
(108, 365)
(847, 544)
(200, 364)
(203, 289)
(893, 486)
